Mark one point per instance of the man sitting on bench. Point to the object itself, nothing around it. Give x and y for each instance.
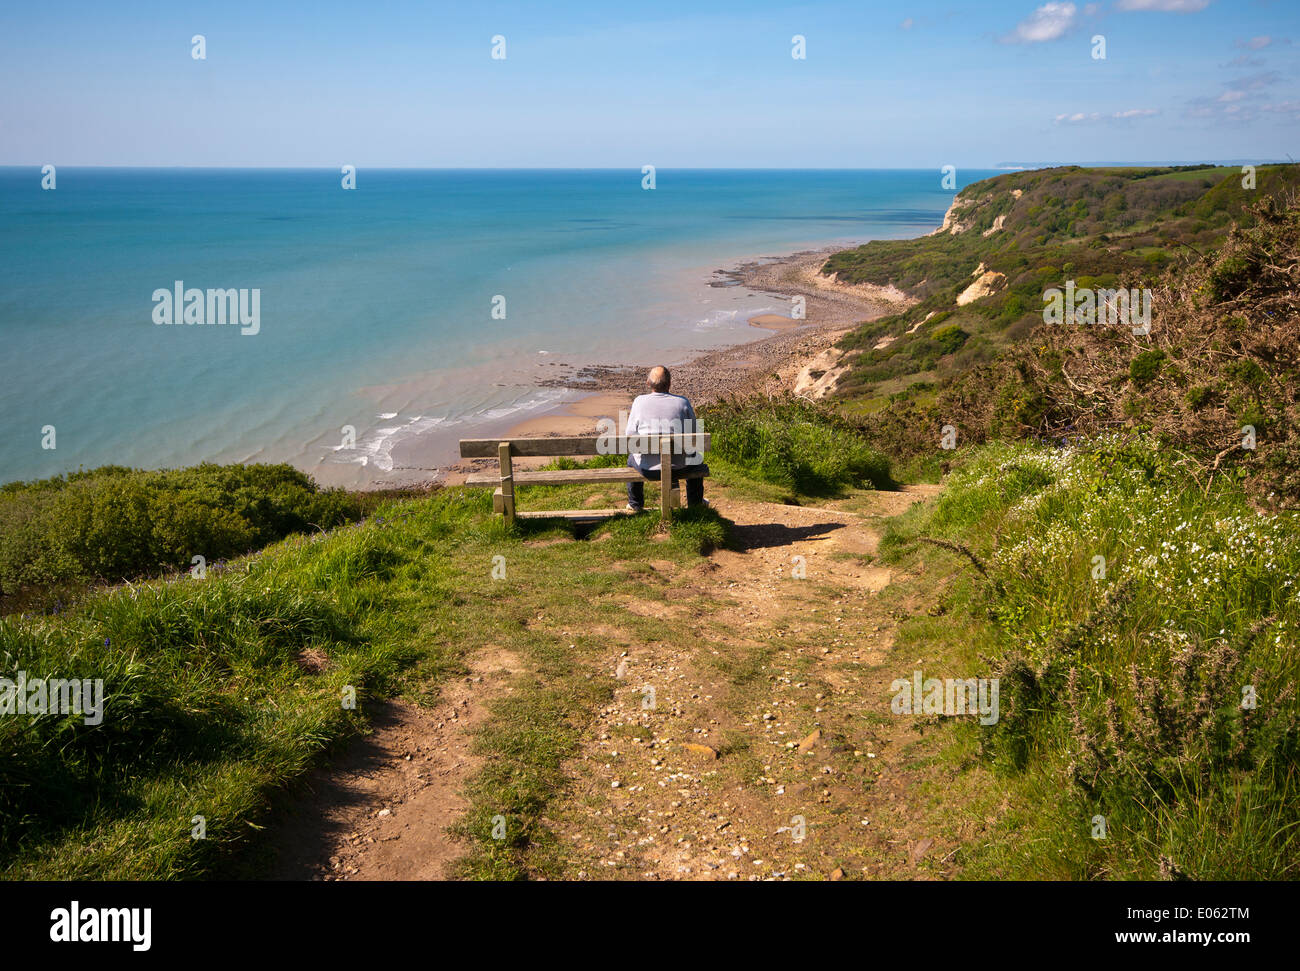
(656, 413)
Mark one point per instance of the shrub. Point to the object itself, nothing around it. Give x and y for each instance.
(1143, 369)
(794, 443)
(113, 523)
(1122, 684)
(949, 338)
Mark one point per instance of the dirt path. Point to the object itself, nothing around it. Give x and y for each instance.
(381, 810)
(769, 751)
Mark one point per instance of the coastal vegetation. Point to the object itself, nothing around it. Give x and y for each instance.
(113, 523)
(1143, 631)
(1217, 369)
(804, 448)
(1129, 500)
(1116, 541)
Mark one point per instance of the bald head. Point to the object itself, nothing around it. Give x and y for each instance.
(659, 379)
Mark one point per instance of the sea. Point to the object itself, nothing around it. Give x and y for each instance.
(418, 305)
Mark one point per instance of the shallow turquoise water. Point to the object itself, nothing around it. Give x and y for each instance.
(376, 303)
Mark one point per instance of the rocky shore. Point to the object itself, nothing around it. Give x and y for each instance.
(763, 366)
(800, 357)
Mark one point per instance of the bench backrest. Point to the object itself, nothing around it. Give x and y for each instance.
(483, 448)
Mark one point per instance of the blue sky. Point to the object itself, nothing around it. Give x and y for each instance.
(675, 84)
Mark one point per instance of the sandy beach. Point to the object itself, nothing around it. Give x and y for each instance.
(765, 366)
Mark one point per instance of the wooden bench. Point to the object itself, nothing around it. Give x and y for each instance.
(506, 480)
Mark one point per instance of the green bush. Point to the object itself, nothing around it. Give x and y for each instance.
(1131, 608)
(1145, 366)
(796, 444)
(949, 338)
(113, 523)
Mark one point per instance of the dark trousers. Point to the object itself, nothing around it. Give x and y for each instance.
(694, 487)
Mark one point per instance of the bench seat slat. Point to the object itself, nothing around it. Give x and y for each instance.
(570, 476)
(480, 448)
(573, 514)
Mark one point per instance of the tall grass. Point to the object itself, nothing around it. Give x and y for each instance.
(217, 691)
(115, 523)
(220, 691)
(795, 444)
(1136, 614)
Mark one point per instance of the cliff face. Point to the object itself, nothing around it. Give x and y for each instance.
(965, 212)
(1110, 218)
(1216, 373)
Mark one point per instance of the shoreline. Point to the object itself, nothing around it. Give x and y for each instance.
(767, 365)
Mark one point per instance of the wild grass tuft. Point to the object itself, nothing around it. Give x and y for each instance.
(1139, 618)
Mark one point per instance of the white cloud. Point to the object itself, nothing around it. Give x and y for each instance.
(1170, 6)
(1048, 22)
(1260, 42)
(1245, 112)
(1255, 82)
(1239, 100)
(1090, 117)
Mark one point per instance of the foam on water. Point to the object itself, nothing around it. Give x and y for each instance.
(376, 304)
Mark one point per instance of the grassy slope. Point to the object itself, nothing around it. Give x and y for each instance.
(212, 707)
(1096, 226)
(212, 702)
(1123, 678)
(1124, 690)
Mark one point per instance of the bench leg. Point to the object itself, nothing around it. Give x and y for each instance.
(665, 480)
(507, 488)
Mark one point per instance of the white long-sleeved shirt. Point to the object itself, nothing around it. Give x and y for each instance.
(659, 413)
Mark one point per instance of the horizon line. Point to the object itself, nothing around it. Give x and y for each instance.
(1004, 166)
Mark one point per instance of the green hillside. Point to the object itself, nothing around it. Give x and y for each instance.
(1220, 355)
(1114, 543)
